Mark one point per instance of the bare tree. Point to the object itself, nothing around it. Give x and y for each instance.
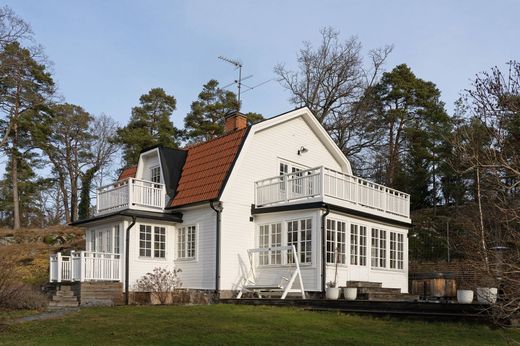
(103, 147)
(489, 145)
(333, 82)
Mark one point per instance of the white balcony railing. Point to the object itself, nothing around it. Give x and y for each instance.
(321, 182)
(85, 266)
(131, 193)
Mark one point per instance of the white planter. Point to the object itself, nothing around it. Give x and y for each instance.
(465, 296)
(350, 293)
(332, 293)
(487, 295)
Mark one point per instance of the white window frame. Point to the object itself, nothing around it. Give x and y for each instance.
(358, 244)
(336, 237)
(305, 244)
(184, 239)
(152, 241)
(155, 172)
(378, 248)
(396, 251)
(270, 235)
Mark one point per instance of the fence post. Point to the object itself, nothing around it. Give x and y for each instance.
(58, 262)
(322, 182)
(82, 266)
(130, 193)
(72, 252)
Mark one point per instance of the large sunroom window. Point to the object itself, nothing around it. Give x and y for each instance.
(299, 234)
(378, 248)
(358, 245)
(396, 250)
(336, 241)
(270, 236)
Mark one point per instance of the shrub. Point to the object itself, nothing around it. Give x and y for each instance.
(13, 293)
(160, 282)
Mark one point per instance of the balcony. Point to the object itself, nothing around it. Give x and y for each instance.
(329, 186)
(131, 193)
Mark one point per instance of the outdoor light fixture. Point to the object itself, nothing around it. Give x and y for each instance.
(302, 150)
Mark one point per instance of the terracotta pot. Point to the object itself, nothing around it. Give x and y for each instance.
(332, 293)
(350, 293)
(465, 296)
(487, 295)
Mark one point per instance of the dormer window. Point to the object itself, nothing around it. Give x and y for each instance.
(155, 174)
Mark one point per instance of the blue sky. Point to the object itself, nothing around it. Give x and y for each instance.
(107, 53)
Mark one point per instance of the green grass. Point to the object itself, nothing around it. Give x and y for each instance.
(229, 324)
(7, 316)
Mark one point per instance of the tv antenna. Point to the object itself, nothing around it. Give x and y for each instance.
(238, 65)
(239, 82)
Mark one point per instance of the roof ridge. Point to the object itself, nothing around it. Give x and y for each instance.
(214, 139)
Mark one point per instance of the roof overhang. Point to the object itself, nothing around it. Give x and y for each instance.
(140, 214)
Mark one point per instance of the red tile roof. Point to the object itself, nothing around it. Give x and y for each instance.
(207, 166)
(127, 173)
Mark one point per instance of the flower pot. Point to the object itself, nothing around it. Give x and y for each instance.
(350, 293)
(332, 293)
(465, 296)
(487, 295)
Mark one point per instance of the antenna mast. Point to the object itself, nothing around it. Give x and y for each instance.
(238, 65)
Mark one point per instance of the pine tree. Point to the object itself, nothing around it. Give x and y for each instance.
(208, 112)
(150, 124)
(25, 89)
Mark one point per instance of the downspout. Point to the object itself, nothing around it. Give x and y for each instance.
(218, 211)
(127, 258)
(323, 248)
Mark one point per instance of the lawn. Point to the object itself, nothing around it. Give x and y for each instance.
(229, 324)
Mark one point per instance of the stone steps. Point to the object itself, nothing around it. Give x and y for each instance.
(64, 296)
(384, 290)
(388, 297)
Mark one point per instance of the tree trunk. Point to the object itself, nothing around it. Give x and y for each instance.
(14, 177)
(86, 182)
(73, 198)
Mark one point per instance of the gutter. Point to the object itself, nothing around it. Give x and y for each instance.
(218, 212)
(127, 258)
(323, 248)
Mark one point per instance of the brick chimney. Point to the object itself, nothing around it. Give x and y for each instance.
(235, 121)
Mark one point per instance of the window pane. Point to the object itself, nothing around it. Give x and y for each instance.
(160, 242)
(145, 243)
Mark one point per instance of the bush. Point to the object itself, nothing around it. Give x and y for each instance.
(13, 293)
(160, 282)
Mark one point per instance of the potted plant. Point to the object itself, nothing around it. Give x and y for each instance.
(488, 293)
(464, 293)
(350, 293)
(332, 292)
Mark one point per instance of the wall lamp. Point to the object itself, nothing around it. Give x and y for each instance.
(302, 150)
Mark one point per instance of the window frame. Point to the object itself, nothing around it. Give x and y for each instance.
(300, 243)
(339, 233)
(152, 241)
(153, 174)
(266, 239)
(184, 239)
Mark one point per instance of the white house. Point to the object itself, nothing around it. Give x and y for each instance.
(280, 182)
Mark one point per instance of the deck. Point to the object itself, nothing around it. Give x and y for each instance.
(433, 311)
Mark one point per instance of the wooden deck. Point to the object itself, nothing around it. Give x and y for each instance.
(409, 310)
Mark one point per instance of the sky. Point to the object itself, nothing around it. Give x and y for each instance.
(108, 53)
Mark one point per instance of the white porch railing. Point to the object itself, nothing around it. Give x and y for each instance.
(85, 266)
(320, 182)
(130, 193)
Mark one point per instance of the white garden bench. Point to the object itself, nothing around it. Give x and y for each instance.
(269, 284)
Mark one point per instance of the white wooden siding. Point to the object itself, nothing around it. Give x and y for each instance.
(260, 158)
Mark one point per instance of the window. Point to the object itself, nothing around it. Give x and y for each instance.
(159, 243)
(270, 236)
(358, 245)
(362, 246)
(186, 242)
(116, 239)
(396, 250)
(400, 251)
(145, 241)
(378, 248)
(147, 247)
(336, 241)
(354, 238)
(155, 174)
(299, 233)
